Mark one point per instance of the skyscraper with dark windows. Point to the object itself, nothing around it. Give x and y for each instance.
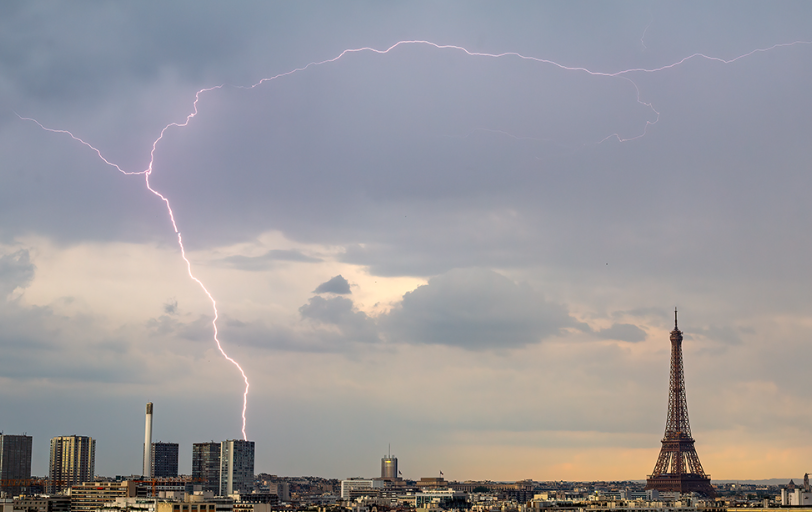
(224, 468)
(164, 460)
(206, 465)
(15, 463)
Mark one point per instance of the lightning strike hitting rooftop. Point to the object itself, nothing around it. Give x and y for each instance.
(622, 74)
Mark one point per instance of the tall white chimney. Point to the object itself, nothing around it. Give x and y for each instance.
(148, 443)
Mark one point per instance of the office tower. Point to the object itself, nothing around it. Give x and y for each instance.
(678, 468)
(389, 467)
(206, 465)
(15, 463)
(164, 460)
(147, 467)
(236, 466)
(73, 461)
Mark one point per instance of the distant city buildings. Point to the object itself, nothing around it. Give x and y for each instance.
(15, 462)
(350, 486)
(164, 460)
(91, 496)
(42, 504)
(73, 461)
(281, 489)
(795, 496)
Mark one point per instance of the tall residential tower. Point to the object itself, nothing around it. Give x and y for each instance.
(206, 465)
(164, 460)
(73, 461)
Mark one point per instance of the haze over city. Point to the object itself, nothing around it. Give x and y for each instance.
(444, 245)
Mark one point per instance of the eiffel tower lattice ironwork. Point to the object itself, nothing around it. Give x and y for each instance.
(678, 468)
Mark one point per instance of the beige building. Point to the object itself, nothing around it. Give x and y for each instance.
(92, 496)
(143, 504)
(73, 461)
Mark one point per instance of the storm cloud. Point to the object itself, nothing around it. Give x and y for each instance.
(475, 309)
(501, 230)
(335, 284)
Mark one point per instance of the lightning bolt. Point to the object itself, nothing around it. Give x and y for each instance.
(147, 173)
(614, 74)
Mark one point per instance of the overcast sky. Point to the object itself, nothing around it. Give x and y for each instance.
(473, 258)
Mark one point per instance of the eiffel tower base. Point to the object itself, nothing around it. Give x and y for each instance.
(684, 483)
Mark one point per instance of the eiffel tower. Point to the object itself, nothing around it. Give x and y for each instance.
(678, 468)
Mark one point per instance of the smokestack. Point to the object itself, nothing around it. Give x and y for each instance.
(148, 443)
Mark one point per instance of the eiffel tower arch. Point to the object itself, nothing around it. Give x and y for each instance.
(678, 468)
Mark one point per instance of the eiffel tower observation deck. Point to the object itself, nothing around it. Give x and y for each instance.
(678, 468)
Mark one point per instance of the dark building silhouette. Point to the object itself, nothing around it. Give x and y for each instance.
(678, 468)
(164, 460)
(15, 463)
(206, 465)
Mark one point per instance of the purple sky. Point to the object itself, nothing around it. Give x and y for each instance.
(511, 235)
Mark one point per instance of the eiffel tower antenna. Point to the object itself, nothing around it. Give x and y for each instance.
(678, 468)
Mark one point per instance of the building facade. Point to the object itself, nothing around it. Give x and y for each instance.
(281, 489)
(206, 465)
(164, 460)
(797, 496)
(42, 504)
(366, 486)
(73, 461)
(15, 463)
(92, 496)
(189, 503)
(389, 467)
(236, 466)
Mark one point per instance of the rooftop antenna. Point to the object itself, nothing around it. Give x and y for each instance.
(675, 319)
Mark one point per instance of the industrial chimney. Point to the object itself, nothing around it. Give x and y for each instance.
(148, 443)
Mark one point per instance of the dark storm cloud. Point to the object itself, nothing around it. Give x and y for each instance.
(425, 183)
(340, 312)
(16, 271)
(265, 261)
(335, 284)
(475, 309)
(622, 332)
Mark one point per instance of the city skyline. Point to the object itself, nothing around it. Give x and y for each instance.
(458, 228)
